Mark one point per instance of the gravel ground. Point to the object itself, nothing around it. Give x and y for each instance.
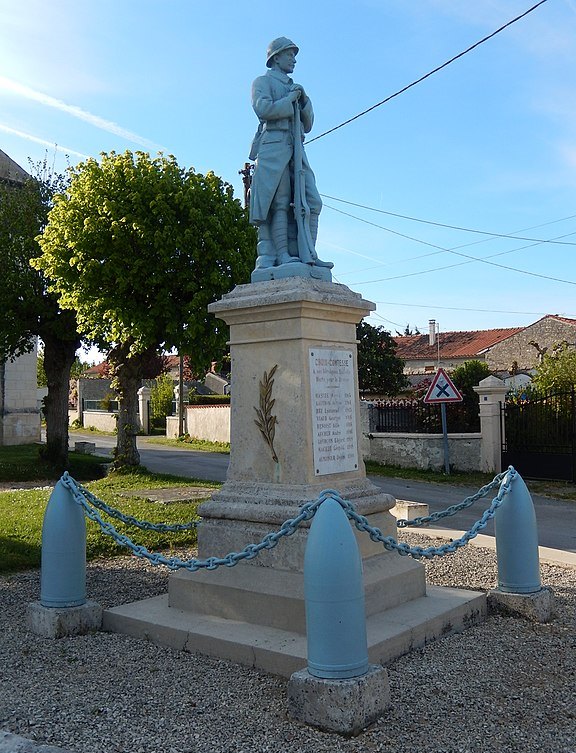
(507, 685)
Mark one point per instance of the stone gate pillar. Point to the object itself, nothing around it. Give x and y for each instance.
(492, 395)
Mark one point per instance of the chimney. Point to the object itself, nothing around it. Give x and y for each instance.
(432, 332)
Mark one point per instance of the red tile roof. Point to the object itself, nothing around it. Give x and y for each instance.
(452, 344)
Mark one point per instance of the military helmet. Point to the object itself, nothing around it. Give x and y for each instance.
(279, 45)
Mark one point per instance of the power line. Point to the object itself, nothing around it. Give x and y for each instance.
(461, 308)
(430, 73)
(458, 253)
(432, 253)
(451, 227)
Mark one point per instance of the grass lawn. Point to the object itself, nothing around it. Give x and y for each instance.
(456, 478)
(203, 445)
(22, 512)
(23, 463)
(554, 489)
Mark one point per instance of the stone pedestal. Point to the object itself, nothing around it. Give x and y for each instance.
(295, 431)
(61, 622)
(342, 706)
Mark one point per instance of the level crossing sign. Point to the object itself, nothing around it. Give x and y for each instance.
(442, 390)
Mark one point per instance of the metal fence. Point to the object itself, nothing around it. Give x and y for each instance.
(112, 406)
(416, 417)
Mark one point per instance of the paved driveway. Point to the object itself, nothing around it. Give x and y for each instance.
(556, 518)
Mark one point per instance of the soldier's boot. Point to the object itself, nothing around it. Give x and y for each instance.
(314, 235)
(279, 228)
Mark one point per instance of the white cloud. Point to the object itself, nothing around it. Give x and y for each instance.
(43, 142)
(20, 90)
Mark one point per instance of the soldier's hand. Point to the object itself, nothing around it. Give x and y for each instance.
(303, 96)
(294, 95)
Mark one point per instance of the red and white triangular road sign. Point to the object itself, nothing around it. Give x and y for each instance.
(442, 390)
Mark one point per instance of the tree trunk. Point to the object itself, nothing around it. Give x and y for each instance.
(127, 372)
(59, 356)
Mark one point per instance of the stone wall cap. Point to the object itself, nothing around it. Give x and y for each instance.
(491, 381)
(289, 290)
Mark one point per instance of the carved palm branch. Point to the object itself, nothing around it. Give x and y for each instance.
(265, 421)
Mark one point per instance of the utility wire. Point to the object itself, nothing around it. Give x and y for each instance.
(462, 263)
(457, 253)
(435, 253)
(450, 227)
(461, 308)
(430, 73)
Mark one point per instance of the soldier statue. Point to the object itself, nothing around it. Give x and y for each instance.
(284, 201)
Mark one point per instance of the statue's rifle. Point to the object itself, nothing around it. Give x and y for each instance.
(306, 250)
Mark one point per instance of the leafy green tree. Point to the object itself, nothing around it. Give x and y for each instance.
(139, 247)
(466, 377)
(29, 310)
(557, 370)
(161, 397)
(380, 371)
(41, 380)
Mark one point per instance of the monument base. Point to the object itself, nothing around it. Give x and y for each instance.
(295, 431)
(391, 633)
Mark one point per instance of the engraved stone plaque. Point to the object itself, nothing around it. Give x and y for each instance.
(333, 411)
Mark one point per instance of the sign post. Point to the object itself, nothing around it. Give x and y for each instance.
(442, 390)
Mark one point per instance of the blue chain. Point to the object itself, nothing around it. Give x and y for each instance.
(453, 509)
(417, 552)
(289, 527)
(128, 519)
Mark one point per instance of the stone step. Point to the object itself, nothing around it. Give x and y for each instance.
(275, 597)
(390, 634)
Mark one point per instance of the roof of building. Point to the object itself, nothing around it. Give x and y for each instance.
(560, 319)
(452, 344)
(10, 170)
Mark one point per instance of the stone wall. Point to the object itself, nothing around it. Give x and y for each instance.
(546, 332)
(19, 414)
(99, 419)
(425, 451)
(209, 422)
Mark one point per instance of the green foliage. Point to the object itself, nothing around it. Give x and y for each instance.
(557, 370)
(380, 371)
(161, 397)
(466, 377)
(78, 368)
(140, 247)
(28, 309)
(41, 378)
(209, 399)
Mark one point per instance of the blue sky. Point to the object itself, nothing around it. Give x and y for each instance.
(488, 143)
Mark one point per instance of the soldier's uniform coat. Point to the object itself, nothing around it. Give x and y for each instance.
(273, 144)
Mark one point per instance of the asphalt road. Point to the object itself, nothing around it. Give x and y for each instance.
(556, 518)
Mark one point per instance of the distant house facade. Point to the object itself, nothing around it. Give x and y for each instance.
(525, 349)
(508, 350)
(422, 354)
(19, 413)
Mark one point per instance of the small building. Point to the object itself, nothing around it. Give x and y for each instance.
(508, 350)
(19, 413)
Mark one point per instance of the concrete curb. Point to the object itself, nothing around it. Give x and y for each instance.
(550, 556)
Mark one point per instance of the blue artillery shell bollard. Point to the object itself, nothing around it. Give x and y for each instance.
(517, 541)
(63, 574)
(334, 593)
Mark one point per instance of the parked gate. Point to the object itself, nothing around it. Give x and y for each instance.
(540, 436)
